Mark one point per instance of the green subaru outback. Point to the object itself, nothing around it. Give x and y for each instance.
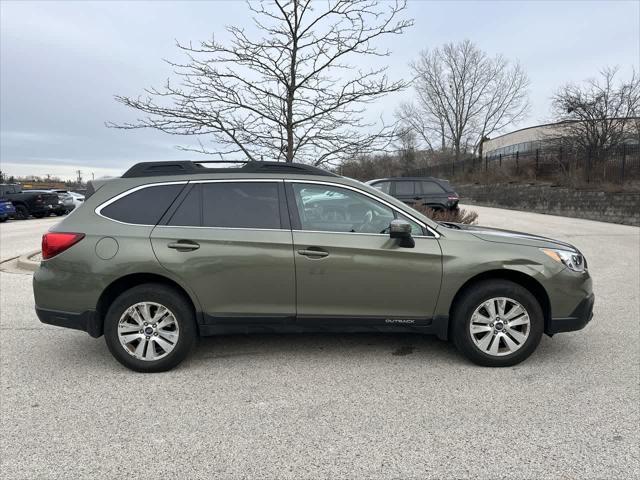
(174, 250)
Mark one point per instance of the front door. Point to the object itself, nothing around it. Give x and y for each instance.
(348, 269)
(230, 241)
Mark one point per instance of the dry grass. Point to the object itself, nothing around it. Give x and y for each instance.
(454, 216)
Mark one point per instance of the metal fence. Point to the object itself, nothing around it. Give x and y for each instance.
(619, 165)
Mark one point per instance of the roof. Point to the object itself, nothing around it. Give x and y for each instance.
(186, 167)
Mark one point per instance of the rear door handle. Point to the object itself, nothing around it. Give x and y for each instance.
(313, 252)
(184, 245)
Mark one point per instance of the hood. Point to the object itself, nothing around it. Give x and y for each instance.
(498, 235)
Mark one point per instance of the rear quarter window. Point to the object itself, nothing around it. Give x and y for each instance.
(432, 188)
(143, 207)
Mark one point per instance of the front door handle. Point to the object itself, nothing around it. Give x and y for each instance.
(313, 252)
(184, 245)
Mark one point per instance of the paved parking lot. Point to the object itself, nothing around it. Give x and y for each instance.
(331, 406)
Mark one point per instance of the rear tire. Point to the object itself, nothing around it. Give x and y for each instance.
(144, 343)
(39, 215)
(517, 333)
(22, 213)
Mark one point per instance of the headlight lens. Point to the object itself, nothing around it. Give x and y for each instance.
(572, 260)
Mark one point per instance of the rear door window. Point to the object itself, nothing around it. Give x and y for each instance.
(189, 213)
(405, 188)
(241, 205)
(143, 207)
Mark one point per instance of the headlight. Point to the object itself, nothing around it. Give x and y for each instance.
(572, 260)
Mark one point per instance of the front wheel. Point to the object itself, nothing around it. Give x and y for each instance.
(150, 328)
(497, 323)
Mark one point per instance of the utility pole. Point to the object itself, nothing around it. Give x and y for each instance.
(79, 172)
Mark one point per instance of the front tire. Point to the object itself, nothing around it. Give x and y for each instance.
(150, 328)
(497, 323)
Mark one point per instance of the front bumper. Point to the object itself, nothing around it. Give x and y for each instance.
(578, 319)
(86, 321)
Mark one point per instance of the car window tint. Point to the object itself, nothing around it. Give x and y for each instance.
(382, 186)
(405, 188)
(431, 188)
(240, 205)
(334, 209)
(189, 213)
(145, 206)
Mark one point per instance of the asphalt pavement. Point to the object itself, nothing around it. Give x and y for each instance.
(335, 405)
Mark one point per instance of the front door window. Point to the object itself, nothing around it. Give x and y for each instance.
(326, 208)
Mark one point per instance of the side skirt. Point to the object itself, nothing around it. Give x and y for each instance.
(231, 324)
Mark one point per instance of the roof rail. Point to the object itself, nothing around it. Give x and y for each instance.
(186, 167)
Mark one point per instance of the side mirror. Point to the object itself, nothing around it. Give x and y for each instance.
(401, 230)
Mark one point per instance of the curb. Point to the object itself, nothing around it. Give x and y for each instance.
(26, 263)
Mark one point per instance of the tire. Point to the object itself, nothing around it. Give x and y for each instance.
(38, 215)
(511, 347)
(22, 213)
(184, 328)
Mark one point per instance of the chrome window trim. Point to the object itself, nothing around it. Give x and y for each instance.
(99, 208)
(378, 199)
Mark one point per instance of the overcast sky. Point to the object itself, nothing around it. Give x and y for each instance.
(62, 62)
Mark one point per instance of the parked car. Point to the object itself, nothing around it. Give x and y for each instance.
(432, 192)
(173, 250)
(64, 204)
(29, 202)
(7, 210)
(73, 199)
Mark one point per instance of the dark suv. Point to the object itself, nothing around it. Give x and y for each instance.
(430, 192)
(175, 250)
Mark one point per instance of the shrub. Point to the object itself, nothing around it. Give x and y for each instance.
(454, 216)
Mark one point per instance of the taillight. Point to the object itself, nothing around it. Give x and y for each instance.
(54, 243)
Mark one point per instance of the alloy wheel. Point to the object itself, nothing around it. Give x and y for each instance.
(499, 326)
(148, 331)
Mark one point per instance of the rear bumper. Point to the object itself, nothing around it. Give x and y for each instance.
(86, 321)
(576, 321)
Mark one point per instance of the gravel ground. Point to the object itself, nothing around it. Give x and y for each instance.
(332, 406)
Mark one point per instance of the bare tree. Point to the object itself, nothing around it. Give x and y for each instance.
(600, 113)
(463, 96)
(289, 94)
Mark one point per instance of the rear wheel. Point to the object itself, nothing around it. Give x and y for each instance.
(497, 323)
(39, 215)
(22, 213)
(150, 328)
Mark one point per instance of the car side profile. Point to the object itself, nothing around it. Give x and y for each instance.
(175, 250)
(430, 192)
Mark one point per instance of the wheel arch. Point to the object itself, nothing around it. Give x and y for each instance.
(522, 279)
(115, 288)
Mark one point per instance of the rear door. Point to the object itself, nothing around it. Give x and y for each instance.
(348, 269)
(407, 191)
(230, 241)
